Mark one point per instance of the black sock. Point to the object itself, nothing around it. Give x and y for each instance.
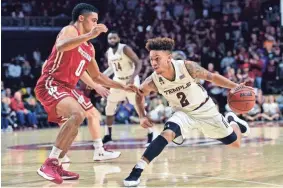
(110, 131)
(155, 148)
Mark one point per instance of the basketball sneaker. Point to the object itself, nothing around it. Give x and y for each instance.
(66, 159)
(243, 125)
(102, 154)
(149, 139)
(134, 178)
(107, 139)
(67, 175)
(49, 170)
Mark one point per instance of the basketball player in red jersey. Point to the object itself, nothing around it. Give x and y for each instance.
(71, 55)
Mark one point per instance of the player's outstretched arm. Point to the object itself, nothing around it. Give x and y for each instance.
(196, 71)
(133, 56)
(68, 38)
(146, 88)
(99, 78)
(97, 87)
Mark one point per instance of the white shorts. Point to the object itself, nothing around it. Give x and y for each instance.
(118, 95)
(210, 122)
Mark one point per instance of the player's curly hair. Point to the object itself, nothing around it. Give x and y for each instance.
(82, 8)
(159, 43)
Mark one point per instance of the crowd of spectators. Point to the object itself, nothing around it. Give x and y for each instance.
(241, 40)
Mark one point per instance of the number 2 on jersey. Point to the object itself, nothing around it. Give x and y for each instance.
(118, 66)
(80, 68)
(183, 100)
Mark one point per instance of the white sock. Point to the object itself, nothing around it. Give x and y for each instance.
(141, 164)
(97, 144)
(55, 152)
(150, 130)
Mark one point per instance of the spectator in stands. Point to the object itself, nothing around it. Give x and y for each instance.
(256, 66)
(231, 74)
(22, 113)
(6, 115)
(245, 75)
(31, 106)
(125, 110)
(254, 113)
(279, 100)
(270, 109)
(14, 72)
(27, 77)
(37, 57)
(7, 93)
(228, 61)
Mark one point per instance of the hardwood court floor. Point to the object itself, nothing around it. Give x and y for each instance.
(199, 162)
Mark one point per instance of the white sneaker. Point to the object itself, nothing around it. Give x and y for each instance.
(243, 125)
(66, 159)
(102, 154)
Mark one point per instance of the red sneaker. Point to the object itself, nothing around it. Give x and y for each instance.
(67, 175)
(49, 170)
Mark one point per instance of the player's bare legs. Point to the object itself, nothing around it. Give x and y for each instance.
(110, 109)
(152, 151)
(172, 131)
(51, 169)
(93, 117)
(110, 117)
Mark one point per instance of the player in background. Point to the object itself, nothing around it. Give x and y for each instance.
(176, 80)
(71, 56)
(126, 66)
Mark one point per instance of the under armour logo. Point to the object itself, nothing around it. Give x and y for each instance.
(101, 154)
(81, 99)
(182, 76)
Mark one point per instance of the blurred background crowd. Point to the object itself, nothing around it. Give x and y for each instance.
(239, 39)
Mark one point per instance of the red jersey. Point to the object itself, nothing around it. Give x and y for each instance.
(66, 67)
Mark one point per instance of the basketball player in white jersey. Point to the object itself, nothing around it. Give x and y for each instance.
(177, 81)
(125, 65)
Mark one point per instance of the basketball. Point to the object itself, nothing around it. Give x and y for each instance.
(241, 101)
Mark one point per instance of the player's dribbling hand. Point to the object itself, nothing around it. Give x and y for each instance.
(240, 86)
(102, 91)
(98, 29)
(145, 122)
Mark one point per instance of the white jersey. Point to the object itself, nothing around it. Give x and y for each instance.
(184, 93)
(121, 64)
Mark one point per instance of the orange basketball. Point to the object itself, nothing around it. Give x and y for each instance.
(242, 101)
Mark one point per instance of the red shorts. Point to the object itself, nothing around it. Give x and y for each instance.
(50, 96)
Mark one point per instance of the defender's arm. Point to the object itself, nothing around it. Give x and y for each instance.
(68, 38)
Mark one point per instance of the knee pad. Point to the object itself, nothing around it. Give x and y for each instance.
(173, 127)
(110, 108)
(228, 139)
